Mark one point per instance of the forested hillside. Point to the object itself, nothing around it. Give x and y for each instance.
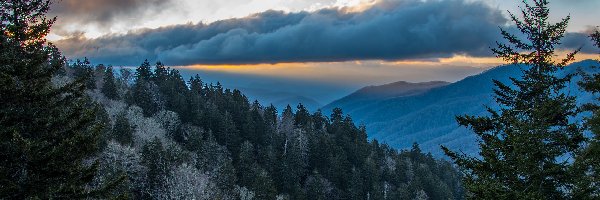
(173, 138)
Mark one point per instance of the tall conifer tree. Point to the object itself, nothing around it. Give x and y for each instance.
(47, 131)
(122, 131)
(144, 90)
(524, 144)
(588, 160)
(109, 89)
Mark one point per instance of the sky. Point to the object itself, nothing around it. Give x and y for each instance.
(341, 45)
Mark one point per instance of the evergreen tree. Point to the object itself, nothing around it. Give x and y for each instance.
(247, 166)
(109, 89)
(82, 69)
(302, 117)
(158, 162)
(263, 185)
(523, 145)
(270, 116)
(122, 131)
(216, 159)
(103, 120)
(143, 93)
(47, 132)
(196, 84)
(161, 74)
(257, 126)
(588, 160)
(318, 188)
(143, 72)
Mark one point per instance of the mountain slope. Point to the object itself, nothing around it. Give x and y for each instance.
(371, 94)
(428, 118)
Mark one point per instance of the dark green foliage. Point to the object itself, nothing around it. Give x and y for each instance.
(523, 145)
(587, 162)
(47, 131)
(242, 146)
(83, 70)
(103, 121)
(143, 72)
(159, 161)
(144, 92)
(122, 131)
(215, 159)
(247, 166)
(319, 188)
(302, 117)
(160, 75)
(297, 155)
(263, 185)
(110, 89)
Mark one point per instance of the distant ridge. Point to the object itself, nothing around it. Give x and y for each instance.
(397, 89)
(371, 94)
(426, 115)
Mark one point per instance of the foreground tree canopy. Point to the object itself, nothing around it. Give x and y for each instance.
(528, 144)
(42, 125)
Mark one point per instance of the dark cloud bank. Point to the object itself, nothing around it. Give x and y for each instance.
(390, 30)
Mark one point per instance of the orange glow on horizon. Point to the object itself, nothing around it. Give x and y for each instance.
(358, 68)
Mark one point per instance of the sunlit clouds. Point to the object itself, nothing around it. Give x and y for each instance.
(367, 72)
(388, 30)
(341, 41)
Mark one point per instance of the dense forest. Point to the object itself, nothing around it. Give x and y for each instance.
(176, 139)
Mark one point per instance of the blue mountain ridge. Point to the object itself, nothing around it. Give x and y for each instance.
(428, 117)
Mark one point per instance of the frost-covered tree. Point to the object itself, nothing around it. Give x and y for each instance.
(120, 161)
(146, 128)
(157, 161)
(186, 182)
(216, 161)
(169, 120)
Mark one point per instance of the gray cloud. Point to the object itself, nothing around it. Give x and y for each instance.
(390, 30)
(102, 13)
(579, 40)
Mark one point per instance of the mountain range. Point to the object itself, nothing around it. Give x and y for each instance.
(403, 113)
